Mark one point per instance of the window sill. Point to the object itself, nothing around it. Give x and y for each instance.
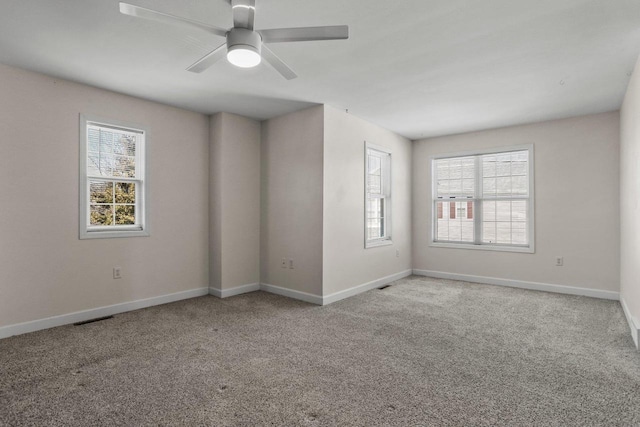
(519, 249)
(113, 234)
(377, 243)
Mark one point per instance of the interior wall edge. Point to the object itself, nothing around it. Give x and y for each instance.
(236, 290)
(634, 325)
(291, 293)
(358, 289)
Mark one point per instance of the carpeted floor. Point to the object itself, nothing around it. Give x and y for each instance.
(422, 352)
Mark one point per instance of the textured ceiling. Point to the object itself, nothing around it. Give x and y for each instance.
(417, 67)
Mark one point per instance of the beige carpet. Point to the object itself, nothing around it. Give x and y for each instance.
(422, 352)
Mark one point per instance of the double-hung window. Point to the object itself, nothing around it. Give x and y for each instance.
(378, 196)
(112, 180)
(484, 200)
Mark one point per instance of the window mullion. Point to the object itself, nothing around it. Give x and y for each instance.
(477, 202)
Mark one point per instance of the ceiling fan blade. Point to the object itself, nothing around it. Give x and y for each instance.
(153, 15)
(244, 13)
(209, 59)
(279, 35)
(277, 63)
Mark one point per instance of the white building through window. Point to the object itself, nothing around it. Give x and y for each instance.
(484, 200)
(378, 196)
(113, 182)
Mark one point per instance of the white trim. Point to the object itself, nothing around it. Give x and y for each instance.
(634, 325)
(374, 284)
(93, 313)
(535, 286)
(237, 290)
(299, 295)
(483, 247)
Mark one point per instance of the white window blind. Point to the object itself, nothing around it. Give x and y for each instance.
(378, 196)
(484, 199)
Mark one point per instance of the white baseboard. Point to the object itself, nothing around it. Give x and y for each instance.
(291, 293)
(110, 310)
(634, 325)
(378, 283)
(535, 286)
(299, 295)
(238, 290)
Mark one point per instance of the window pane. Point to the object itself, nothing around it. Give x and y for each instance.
(520, 185)
(375, 184)
(100, 192)
(374, 165)
(505, 174)
(503, 186)
(503, 211)
(505, 222)
(455, 177)
(489, 166)
(489, 232)
(489, 211)
(93, 164)
(375, 218)
(489, 187)
(455, 169)
(503, 164)
(125, 192)
(503, 230)
(454, 222)
(106, 141)
(125, 144)
(125, 214)
(101, 215)
(124, 166)
(93, 136)
(519, 210)
(106, 165)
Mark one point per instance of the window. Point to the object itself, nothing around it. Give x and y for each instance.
(484, 200)
(378, 196)
(112, 180)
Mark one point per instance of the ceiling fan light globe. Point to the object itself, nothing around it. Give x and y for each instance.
(243, 56)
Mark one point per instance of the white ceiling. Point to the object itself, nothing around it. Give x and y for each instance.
(417, 67)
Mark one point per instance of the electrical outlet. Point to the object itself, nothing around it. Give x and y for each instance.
(291, 264)
(117, 273)
(283, 264)
(559, 261)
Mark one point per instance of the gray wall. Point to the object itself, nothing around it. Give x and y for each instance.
(346, 263)
(576, 204)
(630, 198)
(291, 227)
(45, 270)
(234, 201)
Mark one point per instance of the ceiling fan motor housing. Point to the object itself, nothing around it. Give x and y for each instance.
(241, 38)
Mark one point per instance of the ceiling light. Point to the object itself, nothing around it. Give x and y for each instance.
(244, 6)
(243, 56)
(243, 47)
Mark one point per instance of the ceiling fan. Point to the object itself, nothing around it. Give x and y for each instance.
(244, 46)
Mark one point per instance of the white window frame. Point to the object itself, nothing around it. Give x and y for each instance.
(386, 194)
(141, 228)
(477, 245)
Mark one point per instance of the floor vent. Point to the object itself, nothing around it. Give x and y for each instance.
(93, 320)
